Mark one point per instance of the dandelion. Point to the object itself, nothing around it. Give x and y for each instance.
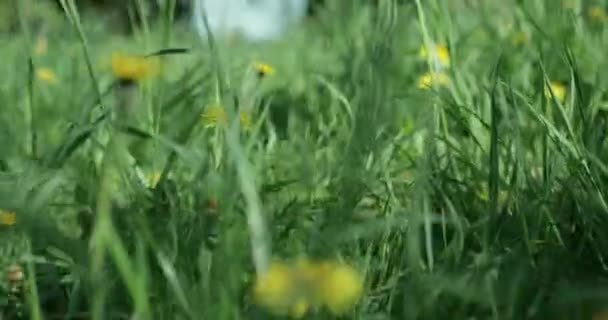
(428, 80)
(597, 14)
(440, 55)
(558, 89)
(7, 218)
(216, 114)
(296, 288)
(340, 288)
(276, 290)
(263, 69)
(130, 69)
(46, 75)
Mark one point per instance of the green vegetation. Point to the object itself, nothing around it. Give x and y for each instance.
(465, 183)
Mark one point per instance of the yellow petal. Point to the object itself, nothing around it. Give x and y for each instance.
(439, 53)
(7, 218)
(597, 14)
(340, 288)
(559, 90)
(275, 289)
(46, 75)
(428, 80)
(134, 68)
(263, 69)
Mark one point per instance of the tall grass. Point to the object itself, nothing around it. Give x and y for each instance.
(480, 199)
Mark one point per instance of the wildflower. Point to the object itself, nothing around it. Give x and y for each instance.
(295, 288)
(340, 288)
(41, 46)
(428, 79)
(263, 69)
(217, 115)
(47, 75)
(276, 290)
(130, 69)
(440, 55)
(597, 14)
(558, 89)
(7, 218)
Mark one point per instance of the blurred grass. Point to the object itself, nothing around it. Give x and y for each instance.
(483, 198)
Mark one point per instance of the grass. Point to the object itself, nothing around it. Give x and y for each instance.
(480, 199)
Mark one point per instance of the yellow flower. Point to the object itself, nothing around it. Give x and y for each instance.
(7, 218)
(340, 288)
(440, 55)
(46, 75)
(558, 89)
(134, 68)
(41, 46)
(263, 69)
(216, 114)
(276, 290)
(597, 14)
(427, 80)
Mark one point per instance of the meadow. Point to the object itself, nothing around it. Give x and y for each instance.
(383, 160)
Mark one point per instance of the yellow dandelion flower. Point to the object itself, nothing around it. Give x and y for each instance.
(440, 55)
(340, 288)
(263, 69)
(558, 89)
(41, 46)
(597, 14)
(427, 80)
(216, 114)
(276, 290)
(47, 75)
(134, 68)
(7, 218)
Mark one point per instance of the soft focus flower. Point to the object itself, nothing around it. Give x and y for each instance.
(558, 89)
(7, 218)
(597, 14)
(440, 55)
(297, 287)
(276, 290)
(46, 75)
(41, 46)
(428, 80)
(263, 69)
(134, 68)
(340, 288)
(216, 114)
